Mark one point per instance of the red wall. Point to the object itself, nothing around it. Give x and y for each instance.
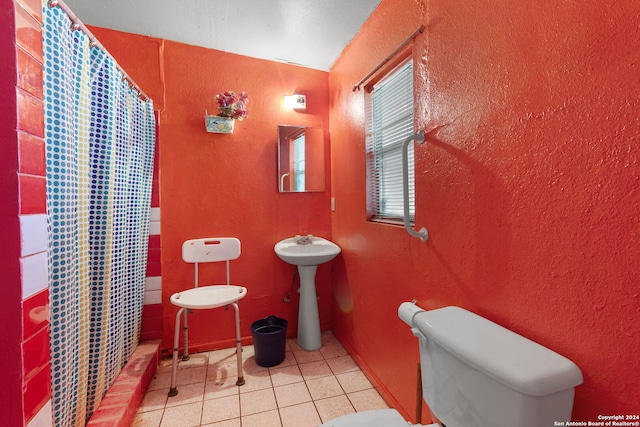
(528, 185)
(227, 185)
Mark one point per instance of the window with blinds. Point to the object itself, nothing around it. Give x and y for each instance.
(389, 115)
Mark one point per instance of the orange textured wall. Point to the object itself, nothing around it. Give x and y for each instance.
(226, 185)
(528, 185)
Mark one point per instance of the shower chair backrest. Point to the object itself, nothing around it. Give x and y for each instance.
(210, 249)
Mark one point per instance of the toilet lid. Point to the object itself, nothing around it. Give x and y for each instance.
(376, 418)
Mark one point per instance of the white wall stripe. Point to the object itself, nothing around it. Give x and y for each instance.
(152, 297)
(33, 234)
(154, 228)
(153, 283)
(34, 274)
(155, 214)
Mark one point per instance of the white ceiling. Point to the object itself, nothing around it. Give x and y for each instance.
(311, 33)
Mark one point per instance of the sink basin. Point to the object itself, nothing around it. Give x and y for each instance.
(317, 252)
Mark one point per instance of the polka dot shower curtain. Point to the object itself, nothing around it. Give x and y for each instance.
(100, 140)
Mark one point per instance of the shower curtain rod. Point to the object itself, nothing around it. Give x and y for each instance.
(388, 58)
(76, 24)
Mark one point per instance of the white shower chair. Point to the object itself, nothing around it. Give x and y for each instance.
(198, 251)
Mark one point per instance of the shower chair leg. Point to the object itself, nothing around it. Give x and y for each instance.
(238, 346)
(173, 391)
(185, 355)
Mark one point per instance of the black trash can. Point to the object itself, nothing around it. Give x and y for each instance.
(269, 340)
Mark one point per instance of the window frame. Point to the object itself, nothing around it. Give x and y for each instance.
(375, 212)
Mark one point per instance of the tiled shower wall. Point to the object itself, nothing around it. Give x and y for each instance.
(152, 311)
(36, 387)
(25, 312)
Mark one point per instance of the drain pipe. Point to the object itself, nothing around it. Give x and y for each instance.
(419, 396)
(287, 298)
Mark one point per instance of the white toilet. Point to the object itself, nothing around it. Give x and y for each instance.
(476, 373)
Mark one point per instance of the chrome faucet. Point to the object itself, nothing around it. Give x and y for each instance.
(304, 240)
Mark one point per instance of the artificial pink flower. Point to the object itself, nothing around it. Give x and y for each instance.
(232, 105)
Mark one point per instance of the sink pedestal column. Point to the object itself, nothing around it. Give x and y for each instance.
(308, 317)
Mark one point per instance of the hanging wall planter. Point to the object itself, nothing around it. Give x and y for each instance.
(217, 124)
(231, 107)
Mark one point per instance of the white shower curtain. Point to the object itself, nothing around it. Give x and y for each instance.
(100, 140)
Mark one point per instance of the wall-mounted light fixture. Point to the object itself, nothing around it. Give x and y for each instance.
(295, 102)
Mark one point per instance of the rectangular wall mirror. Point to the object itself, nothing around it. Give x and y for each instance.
(300, 159)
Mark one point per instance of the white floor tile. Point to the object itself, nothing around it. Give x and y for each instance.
(342, 364)
(153, 400)
(354, 381)
(304, 356)
(256, 381)
(367, 400)
(262, 419)
(334, 407)
(286, 375)
(303, 415)
(191, 375)
(257, 401)
(188, 393)
(321, 388)
(292, 394)
(221, 409)
(182, 416)
(333, 349)
(315, 369)
(307, 389)
(221, 388)
(226, 423)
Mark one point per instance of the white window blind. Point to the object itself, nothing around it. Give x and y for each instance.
(389, 122)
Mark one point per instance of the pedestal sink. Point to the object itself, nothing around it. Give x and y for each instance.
(307, 252)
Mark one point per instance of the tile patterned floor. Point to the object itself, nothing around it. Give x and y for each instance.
(307, 389)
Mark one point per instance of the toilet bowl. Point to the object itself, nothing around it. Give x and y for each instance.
(376, 418)
(476, 373)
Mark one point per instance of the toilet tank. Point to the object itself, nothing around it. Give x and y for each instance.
(477, 373)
